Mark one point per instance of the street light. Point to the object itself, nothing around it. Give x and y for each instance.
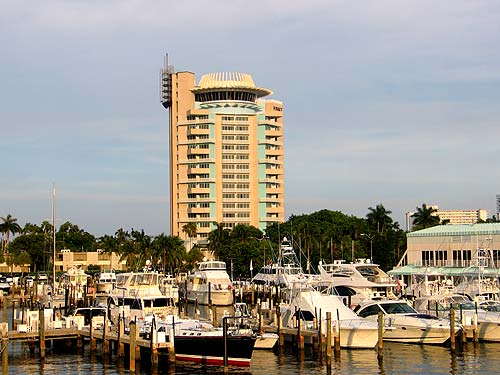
(370, 237)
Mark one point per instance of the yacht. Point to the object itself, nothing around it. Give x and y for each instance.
(137, 295)
(210, 284)
(284, 271)
(473, 315)
(106, 281)
(169, 287)
(309, 304)
(200, 342)
(403, 323)
(359, 281)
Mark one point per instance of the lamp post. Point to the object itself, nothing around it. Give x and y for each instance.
(370, 237)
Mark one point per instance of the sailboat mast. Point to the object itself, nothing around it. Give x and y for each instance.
(54, 239)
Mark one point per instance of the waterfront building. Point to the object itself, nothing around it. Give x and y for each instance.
(498, 206)
(66, 259)
(453, 246)
(453, 217)
(226, 152)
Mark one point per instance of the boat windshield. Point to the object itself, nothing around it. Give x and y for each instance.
(398, 308)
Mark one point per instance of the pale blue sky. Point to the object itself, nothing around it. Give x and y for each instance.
(396, 102)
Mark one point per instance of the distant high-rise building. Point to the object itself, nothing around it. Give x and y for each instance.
(453, 216)
(226, 151)
(498, 206)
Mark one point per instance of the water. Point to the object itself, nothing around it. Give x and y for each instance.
(398, 359)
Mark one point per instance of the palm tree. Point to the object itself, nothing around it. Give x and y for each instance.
(190, 229)
(172, 249)
(8, 226)
(218, 238)
(425, 217)
(379, 217)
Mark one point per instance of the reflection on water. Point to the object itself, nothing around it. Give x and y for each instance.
(397, 359)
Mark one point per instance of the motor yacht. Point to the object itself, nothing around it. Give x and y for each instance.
(309, 304)
(403, 323)
(210, 284)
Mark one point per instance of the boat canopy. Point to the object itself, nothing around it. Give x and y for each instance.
(444, 271)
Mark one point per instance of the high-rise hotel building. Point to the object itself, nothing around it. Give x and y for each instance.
(226, 151)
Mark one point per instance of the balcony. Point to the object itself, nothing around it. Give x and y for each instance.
(274, 152)
(198, 151)
(270, 142)
(198, 131)
(198, 190)
(198, 170)
(274, 133)
(198, 210)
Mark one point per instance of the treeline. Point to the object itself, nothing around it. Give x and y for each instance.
(324, 235)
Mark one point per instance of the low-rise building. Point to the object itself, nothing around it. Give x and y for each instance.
(453, 217)
(66, 259)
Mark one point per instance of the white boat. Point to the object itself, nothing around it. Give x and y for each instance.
(210, 284)
(137, 295)
(308, 304)
(403, 323)
(284, 271)
(169, 287)
(358, 281)
(470, 314)
(265, 340)
(106, 281)
(4, 285)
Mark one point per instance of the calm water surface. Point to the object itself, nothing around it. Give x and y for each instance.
(398, 359)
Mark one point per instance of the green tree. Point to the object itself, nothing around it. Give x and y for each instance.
(21, 259)
(379, 218)
(425, 217)
(8, 226)
(191, 230)
(218, 239)
(171, 250)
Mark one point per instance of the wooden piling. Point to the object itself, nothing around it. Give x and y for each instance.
(337, 336)
(452, 327)
(93, 340)
(154, 344)
(121, 331)
(329, 337)
(41, 330)
(4, 330)
(133, 339)
(214, 316)
(300, 337)
(105, 339)
(380, 344)
(171, 339)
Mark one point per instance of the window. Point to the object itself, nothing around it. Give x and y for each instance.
(369, 311)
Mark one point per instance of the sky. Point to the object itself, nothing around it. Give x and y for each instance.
(391, 102)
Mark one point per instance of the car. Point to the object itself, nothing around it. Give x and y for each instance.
(42, 277)
(4, 285)
(28, 281)
(10, 279)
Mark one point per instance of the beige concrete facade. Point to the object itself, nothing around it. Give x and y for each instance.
(226, 152)
(454, 217)
(453, 245)
(66, 259)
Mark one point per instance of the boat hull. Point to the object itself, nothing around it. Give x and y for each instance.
(266, 341)
(358, 338)
(209, 350)
(486, 331)
(416, 335)
(218, 298)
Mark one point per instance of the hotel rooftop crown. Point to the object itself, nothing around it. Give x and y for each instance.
(226, 152)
